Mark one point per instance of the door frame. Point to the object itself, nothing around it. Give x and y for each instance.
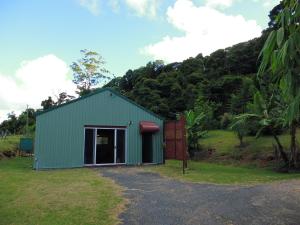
(152, 151)
(95, 128)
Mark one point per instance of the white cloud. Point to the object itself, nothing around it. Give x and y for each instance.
(115, 5)
(144, 7)
(91, 5)
(268, 3)
(227, 3)
(205, 30)
(139, 7)
(219, 3)
(33, 82)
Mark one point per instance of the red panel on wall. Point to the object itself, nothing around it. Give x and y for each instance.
(148, 127)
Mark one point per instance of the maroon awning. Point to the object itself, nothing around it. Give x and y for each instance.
(148, 127)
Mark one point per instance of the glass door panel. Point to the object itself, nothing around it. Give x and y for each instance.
(89, 146)
(120, 146)
(105, 146)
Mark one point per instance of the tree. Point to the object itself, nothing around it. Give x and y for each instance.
(281, 59)
(239, 100)
(273, 23)
(17, 124)
(267, 112)
(22, 121)
(47, 103)
(89, 71)
(240, 127)
(208, 109)
(12, 122)
(194, 133)
(63, 97)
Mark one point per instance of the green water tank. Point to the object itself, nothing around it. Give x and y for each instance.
(26, 145)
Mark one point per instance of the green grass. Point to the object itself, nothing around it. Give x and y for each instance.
(204, 172)
(71, 196)
(224, 144)
(11, 143)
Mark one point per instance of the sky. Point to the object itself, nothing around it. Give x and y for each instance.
(39, 39)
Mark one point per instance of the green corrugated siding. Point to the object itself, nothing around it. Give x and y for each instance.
(59, 141)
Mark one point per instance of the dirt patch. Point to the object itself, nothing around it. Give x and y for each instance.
(1, 156)
(7, 154)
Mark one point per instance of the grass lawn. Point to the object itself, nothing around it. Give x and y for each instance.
(70, 196)
(219, 174)
(11, 143)
(224, 143)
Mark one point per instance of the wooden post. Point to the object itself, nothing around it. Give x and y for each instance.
(27, 121)
(183, 141)
(175, 138)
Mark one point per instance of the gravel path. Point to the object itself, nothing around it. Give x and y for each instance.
(157, 200)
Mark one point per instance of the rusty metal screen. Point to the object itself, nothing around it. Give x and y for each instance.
(175, 139)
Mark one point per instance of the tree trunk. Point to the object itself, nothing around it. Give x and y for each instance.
(241, 140)
(240, 137)
(293, 147)
(280, 148)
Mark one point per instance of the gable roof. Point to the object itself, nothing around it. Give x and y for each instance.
(98, 92)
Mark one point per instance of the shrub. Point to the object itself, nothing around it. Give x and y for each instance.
(226, 120)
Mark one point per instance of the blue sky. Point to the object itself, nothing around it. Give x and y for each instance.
(41, 38)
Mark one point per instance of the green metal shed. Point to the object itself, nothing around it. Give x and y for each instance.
(102, 128)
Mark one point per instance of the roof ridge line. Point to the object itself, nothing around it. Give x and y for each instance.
(38, 113)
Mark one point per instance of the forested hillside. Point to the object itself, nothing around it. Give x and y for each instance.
(222, 82)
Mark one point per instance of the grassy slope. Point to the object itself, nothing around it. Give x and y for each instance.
(219, 174)
(225, 151)
(76, 196)
(11, 143)
(224, 143)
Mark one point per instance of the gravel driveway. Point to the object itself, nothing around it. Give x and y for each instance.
(157, 200)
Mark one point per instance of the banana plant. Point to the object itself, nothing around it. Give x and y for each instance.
(194, 132)
(280, 57)
(269, 116)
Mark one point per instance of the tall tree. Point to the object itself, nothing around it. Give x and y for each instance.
(63, 97)
(273, 24)
(281, 58)
(12, 122)
(47, 103)
(89, 71)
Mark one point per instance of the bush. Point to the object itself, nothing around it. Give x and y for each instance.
(207, 108)
(226, 120)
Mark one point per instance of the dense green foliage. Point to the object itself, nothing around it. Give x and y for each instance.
(17, 124)
(193, 127)
(223, 81)
(281, 64)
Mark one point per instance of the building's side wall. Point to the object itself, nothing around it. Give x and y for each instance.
(59, 141)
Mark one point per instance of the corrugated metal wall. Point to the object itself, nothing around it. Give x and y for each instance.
(59, 141)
